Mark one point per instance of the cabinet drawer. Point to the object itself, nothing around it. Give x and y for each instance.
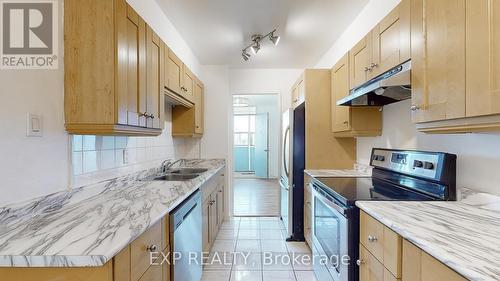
(372, 235)
(371, 269)
(139, 253)
(153, 273)
(383, 243)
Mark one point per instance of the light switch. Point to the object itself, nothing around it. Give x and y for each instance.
(34, 125)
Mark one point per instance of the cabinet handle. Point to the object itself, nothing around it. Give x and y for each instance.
(145, 114)
(346, 122)
(151, 248)
(360, 262)
(414, 108)
(373, 65)
(152, 116)
(372, 239)
(367, 69)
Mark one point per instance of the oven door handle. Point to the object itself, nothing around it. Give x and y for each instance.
(329, 203)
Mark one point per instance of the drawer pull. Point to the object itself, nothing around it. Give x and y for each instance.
(152, 248)
(372, 239)
(360, 262)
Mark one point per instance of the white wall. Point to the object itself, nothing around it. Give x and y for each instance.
(47, 159)
(478, 154)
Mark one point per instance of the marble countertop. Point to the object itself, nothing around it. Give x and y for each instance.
(88, 226)
(358, 171)
(464, 235)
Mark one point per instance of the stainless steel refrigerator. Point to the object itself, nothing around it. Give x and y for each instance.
(292, 172)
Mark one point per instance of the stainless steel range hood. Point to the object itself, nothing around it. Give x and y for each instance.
(392, 86)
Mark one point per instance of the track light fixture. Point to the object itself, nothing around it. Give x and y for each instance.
(255, 46)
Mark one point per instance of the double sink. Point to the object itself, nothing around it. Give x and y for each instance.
(181, 174)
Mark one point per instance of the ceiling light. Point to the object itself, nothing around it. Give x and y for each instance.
(245, 55)
(274, 39)
(255, 48)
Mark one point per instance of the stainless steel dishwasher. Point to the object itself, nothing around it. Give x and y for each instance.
(186, 230)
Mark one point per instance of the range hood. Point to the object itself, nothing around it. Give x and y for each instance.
(392, 86)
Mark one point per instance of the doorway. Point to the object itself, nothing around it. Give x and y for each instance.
(256, 139)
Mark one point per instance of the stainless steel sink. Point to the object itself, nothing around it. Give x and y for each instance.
(186, 171)
(177, 177)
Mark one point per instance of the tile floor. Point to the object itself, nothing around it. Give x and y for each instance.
(256, 197)
(254, 249)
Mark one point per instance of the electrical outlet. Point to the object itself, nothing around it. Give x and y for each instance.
(34, 126)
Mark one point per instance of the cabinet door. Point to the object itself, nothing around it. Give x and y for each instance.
(154, 273)
(213, 216)
(341, 115)
(198, 107)
(154, 79)
(131, 66)
(359, 60)
(301, 92)
(370, 269)
(220, 205)
(438, 59)
(391, 40)
(483, 57)
(188, 83)
(175, 73)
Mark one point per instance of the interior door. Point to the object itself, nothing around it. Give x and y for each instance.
(261, 161)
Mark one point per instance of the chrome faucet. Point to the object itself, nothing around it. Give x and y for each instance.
(168, 164)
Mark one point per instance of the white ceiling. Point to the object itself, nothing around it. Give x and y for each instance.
(217, 30)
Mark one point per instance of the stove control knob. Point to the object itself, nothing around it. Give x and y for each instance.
(418, 164)
(428, 165)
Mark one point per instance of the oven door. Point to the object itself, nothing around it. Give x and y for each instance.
(330, 238)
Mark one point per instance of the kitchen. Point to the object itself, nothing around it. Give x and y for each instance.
(118, 158)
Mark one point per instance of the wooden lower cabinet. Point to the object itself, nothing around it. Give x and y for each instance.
(385, 255)
(420, 266)
(213, 209)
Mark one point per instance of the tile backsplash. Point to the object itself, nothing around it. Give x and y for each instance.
(97, 158)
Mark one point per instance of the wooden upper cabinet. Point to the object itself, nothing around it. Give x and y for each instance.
(438, 59)
(349, 121)
(483, 57)
(391, 40)
(188, 83)
(105, 69)
(360, 59)
(188, 121)
(175, 72)
(341, 115)
(298, 92)
(154, 99)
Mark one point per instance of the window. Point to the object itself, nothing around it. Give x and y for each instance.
(244, 130)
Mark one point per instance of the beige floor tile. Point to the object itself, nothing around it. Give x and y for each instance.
(257, 197)
(227, 234)
(249, 234)
(216, 276)
(278, 246)
(269, 219)
(305, 276)
(276, 261)
(247, 262)
(297, 247)
(250, 224)
(271, 234)
(270, 225)
(224, 245)
(279, 276)
(246, 276)
(252, 246)
(302, 261)
(218, 261)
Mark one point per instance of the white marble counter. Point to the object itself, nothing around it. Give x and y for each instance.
(89, 226)
(464, 235)
(356, 172)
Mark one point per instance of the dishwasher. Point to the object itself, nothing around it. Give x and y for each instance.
(186, 233)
